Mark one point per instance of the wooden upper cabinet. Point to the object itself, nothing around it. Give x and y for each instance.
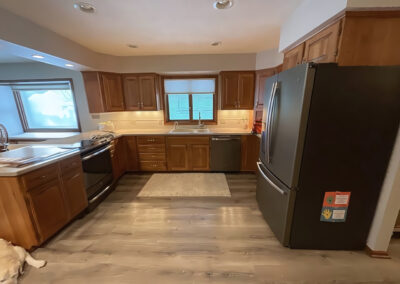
(112, 88)
(131, 92)
(237, 89)
(103, 91)
(246, 90)
(230, 90)
(293, 57)
(323, 47)
(141, 91)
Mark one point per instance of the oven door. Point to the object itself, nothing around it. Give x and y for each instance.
(97, 169)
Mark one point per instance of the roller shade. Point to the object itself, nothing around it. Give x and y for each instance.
(185, 86)
(48, 85)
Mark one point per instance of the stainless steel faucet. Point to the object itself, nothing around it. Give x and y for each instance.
(176, 124)
(201, 125)
(3, 138)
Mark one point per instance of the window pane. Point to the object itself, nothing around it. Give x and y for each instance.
(203, 105)
(189, 85)
(50, 109)
(178, 107)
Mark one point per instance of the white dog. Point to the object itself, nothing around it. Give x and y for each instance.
(12, 259)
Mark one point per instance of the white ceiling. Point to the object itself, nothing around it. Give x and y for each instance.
(161, 27)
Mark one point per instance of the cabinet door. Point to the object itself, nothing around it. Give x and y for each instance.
(250, 152)
(132, 93)
(75, 192)
(48, 208)
(200, 157)
(178, 157)
(112, 91)
(230, 90)
(131, 154)
(293, 57)
(323, 47)
(118, 157)
(148, 92)
(93, 91)
(246, 90)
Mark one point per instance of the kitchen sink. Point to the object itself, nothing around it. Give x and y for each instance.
(189, 130)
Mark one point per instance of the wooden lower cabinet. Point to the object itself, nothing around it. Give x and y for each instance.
(151, 150)
(119, 157)
(250, 152)
(48, 208)
(190, 153)
(131, 154)
(36, 205)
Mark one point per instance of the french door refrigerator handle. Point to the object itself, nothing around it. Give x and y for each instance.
(269, 109)
(270, 181)
(272, 111)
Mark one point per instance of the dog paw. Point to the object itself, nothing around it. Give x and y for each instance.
(41, 263)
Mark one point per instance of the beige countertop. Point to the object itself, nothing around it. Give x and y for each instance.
(70, 138)
(12, 171)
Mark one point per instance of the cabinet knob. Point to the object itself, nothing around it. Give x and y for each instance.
(43, 177)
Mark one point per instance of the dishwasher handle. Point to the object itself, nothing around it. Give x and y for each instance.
(225, 139)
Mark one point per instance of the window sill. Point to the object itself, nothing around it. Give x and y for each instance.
(40, 136)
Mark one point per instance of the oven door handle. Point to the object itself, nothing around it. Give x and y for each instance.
(85, 158)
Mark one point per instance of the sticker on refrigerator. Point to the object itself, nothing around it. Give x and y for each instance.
(334, 207)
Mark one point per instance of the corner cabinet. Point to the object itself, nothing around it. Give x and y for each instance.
(104, 91)
(237, 90)
(141, 91)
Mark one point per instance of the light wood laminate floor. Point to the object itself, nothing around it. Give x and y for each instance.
(193, 240)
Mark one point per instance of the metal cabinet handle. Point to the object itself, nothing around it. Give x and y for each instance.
(270, 181)
(43, 177)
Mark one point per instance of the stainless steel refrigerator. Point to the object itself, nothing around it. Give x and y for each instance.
(326, 129)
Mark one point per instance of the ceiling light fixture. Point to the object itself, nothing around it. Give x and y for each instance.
(37, 56)
(216, 43)
(69, 65)
(132, 45)
(223, 4)
(84, 7)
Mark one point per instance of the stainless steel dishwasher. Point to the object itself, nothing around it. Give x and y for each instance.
(225, 153)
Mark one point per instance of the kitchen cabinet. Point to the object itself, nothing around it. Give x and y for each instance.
(118, 157)
(152, 156)
(48, 208)
(354, 38)
(237, 89)
(131, 154)
(293, 57)
(261, 78)
(141, 91)
(104, 91)
(323, 47)
(36, 205)
(188, 153)
(250, 152)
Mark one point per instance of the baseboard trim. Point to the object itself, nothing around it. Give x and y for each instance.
(377, 254)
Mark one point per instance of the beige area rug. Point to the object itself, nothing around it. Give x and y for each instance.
(186, 185)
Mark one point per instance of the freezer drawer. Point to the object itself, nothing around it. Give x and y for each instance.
(276, 203)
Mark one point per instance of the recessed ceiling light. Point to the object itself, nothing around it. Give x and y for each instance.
(132, 45)
(69, 65)
(223, 4)
(84, 7)
(216, 43)
(37, 56)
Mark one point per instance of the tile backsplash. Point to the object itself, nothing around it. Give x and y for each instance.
(241, 119)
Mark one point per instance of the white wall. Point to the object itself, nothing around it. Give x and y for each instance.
(27, 71)
(388, 205)
(307, 16)
(268, 58)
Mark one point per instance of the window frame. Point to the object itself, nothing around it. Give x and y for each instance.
(191, 121)
(21, 111)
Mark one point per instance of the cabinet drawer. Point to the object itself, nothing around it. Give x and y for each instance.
(148, 140)
(150, 157)
(153, 166)
(41, 176)
(71, 164)
(156, 148)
